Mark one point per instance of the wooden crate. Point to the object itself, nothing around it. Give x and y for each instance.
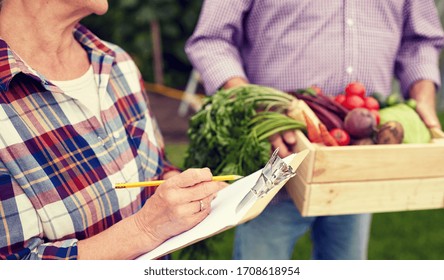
(368, 179)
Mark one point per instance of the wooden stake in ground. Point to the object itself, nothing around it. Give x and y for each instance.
(157, 52)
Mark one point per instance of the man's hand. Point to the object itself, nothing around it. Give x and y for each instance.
(286, 143)
(235, 82)
(424, 93)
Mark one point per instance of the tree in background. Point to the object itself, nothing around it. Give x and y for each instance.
(128, 23)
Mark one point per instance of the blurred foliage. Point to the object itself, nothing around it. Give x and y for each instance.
(127, 24)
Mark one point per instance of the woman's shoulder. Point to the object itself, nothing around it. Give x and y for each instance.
(90, 39)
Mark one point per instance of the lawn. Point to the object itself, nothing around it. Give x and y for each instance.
(409, 235)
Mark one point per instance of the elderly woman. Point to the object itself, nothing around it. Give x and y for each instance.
(74, 122)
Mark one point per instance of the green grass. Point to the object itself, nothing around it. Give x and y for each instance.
(408, 235)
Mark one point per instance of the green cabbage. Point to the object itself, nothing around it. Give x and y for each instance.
(415, 131)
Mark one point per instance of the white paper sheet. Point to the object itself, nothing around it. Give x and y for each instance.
(223, 215)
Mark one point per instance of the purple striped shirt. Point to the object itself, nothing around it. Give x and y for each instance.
(58, 163)
(290, 44)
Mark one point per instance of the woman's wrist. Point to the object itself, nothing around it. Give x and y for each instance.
(146, 234)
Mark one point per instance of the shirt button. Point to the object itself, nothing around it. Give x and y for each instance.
(349, 70)
(350, 22)
(116, 134)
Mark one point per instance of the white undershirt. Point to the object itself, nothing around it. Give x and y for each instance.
(84, 89)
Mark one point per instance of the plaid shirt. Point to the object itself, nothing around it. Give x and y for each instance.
(58, 164)
(289, 44)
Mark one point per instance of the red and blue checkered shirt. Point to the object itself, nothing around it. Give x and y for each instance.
(58, 163)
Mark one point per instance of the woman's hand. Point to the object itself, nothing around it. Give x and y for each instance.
(178, 204)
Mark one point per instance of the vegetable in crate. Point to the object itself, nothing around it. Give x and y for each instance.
(355, 88)
(360, 123)
(353, 101)
(341, 136)
(300, 111)
(329, 112)
(390, 133)
(393, 99)
(354, 96)
(371, 103)
(327, 138)
(313, 132)
(415, 131)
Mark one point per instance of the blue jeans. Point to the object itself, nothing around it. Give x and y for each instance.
(274, 233)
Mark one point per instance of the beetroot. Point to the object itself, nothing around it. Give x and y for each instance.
(360, 123)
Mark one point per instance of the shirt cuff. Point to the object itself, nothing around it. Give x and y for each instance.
(216, 76)
(417, 73)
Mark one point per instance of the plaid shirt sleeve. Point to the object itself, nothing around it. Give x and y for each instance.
(21, 218)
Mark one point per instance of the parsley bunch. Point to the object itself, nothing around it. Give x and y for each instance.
(229, 134)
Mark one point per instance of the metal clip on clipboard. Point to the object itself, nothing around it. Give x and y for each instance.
(273, 173)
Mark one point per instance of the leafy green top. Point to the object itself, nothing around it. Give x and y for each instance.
(230, 133)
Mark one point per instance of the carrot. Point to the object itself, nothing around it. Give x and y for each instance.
(326, 136)
(312, 130)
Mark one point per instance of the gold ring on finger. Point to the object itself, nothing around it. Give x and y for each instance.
(202, 205)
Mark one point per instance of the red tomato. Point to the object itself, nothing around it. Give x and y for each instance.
(317, 89)
(340, 98)
(371, 103)
(376, 115)
(353, 101)
(341, 136)
(355, 88)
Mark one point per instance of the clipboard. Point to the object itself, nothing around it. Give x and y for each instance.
(224, 215)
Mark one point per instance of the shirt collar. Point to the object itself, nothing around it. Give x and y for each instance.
(11, 64)
(91, 41)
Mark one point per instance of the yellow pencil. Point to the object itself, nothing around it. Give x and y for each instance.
(158, 182)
